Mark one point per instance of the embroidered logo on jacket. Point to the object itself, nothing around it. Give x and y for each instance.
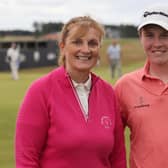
(141, 103)
(106, 121)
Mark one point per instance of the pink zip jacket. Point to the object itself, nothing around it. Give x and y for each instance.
(52, 131)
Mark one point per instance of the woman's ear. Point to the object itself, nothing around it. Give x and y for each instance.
(61, 45)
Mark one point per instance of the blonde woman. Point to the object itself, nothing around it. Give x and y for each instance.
(67, 118)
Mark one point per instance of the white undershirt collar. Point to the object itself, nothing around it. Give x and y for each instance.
(83, 90)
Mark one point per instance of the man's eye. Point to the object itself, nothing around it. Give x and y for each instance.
(164, 35)
(148, 34)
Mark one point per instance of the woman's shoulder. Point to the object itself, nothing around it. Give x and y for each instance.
(46, 81)
(102, 83)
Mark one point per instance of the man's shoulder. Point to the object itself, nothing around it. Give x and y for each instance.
(10, 50)
(109, 47)
(131, 76)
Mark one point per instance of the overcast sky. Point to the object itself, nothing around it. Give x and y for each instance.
(21, 14)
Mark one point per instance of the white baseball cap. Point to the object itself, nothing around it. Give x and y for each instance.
(156, 14)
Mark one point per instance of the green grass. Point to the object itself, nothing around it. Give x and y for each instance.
(131, 51)
(11, 95)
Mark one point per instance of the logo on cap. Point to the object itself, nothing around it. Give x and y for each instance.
(154, 13)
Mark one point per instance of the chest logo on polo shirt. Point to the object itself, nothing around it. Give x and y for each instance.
(106, 121)
(141, 103)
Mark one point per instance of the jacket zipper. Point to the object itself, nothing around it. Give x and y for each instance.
(77, 98)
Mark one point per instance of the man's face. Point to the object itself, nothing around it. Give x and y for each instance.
(154, 40)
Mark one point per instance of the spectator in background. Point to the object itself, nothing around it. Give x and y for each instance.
(114, 57)
(67, 118)
(13, 60)
(143, 94)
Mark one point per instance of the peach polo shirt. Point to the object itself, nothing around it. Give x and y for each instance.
(143, 103)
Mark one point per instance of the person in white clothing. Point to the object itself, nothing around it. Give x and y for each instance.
(13, 59)
(114, 57)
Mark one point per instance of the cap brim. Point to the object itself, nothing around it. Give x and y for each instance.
(159, 23)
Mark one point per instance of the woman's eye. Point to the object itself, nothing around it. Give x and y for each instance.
(93, 44)
(77, 42)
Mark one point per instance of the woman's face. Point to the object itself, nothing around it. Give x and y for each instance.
(81, 51)
(154, 40)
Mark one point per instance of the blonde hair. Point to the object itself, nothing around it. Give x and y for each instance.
(84, 23)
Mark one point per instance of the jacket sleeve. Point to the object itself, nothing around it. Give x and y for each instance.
(118, 156)
(31, 129)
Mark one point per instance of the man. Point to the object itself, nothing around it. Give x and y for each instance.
(114, 56)
(13, 58)
(143, 94)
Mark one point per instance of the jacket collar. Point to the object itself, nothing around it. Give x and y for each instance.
(64, 78)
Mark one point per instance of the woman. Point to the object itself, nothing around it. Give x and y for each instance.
(67, 119)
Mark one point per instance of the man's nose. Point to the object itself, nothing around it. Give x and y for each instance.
(157, 42)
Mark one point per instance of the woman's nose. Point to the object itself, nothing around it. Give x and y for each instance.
(85, 47)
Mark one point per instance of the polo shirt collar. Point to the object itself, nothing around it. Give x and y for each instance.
(87, 84)
(145, 72)
(151, 83)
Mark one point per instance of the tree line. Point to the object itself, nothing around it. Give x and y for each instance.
(124, 31)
